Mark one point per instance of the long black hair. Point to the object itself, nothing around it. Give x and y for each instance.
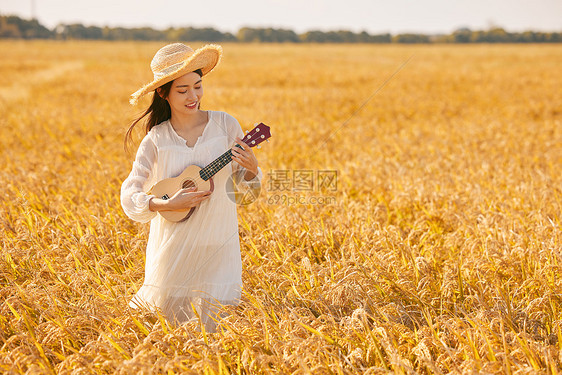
(158, 111)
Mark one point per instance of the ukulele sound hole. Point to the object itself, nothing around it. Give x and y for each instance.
(188, 184)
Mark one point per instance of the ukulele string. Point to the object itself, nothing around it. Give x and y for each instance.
(219, 163)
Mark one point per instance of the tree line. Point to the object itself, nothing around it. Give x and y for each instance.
(17, 28)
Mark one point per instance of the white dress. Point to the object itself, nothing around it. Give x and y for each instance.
(195, 263)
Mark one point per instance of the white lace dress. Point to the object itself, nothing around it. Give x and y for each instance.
(197, 262)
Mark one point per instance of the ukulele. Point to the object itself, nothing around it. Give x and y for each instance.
(201, 178)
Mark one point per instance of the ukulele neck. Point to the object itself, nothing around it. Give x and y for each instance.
(219, 163)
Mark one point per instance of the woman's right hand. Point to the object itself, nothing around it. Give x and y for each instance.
(187, 198)
(183, 199)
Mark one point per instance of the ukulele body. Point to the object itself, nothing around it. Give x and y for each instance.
(166, 189)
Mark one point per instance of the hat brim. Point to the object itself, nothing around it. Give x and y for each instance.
(204, 58)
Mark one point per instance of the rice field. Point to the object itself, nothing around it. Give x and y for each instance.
(408, 222)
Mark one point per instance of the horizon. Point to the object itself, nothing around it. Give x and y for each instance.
(489, 27)
(432, 17)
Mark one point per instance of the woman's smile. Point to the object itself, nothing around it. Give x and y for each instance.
(185, 94)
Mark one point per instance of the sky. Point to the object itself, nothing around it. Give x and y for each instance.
(373, 16)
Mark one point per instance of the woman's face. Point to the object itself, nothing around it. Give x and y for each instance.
(185, 94)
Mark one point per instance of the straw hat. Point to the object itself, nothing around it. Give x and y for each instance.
(175, 60)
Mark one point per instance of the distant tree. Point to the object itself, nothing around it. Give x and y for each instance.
(498, 35)
(115, 33)
(9, 30)
(248, 34)
(381, 38)
(346, 36)
(15, 27)
(493, 35)
(79, 31)
(441, 38)
(313, 36)
(206, 34)
(334, 36)
(477, 36)
(284, 36)
(525, 37)
(555, 38)
(316, 36)
(410, 38)
(461, 35)
(146, 33)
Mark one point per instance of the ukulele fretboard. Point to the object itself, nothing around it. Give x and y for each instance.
(219, 163)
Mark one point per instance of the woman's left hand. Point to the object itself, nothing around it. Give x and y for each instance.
(246, 158)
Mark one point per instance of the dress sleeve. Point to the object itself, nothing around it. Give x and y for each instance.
(134, 200)
(234, 130)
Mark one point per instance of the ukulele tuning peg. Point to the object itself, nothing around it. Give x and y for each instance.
(259, 146)
(253, 142)
(263, 136)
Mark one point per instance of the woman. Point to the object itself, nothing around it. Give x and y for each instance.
(194, 264)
